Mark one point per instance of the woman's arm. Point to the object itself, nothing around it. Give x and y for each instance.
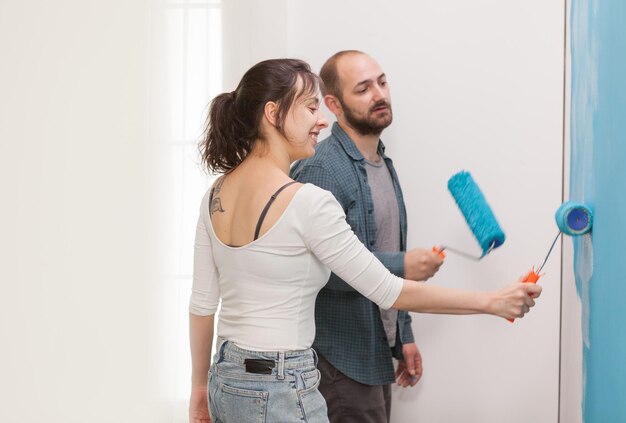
(204, 299)
(203, 303)
(510, 302)
(200, 339)
(329, 237)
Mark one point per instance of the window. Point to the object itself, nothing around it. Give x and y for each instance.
(195, 77)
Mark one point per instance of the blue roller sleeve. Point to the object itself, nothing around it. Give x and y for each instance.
(574, 218)
(476, 211)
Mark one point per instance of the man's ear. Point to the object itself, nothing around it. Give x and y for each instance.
(333, 104)
(270, 111)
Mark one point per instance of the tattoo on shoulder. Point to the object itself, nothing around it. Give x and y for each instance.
(216, 202)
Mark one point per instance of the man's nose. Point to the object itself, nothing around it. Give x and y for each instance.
(379, 93)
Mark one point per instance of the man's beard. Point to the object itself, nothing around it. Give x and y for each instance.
(369, 125)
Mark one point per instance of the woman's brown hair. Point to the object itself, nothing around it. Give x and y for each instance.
(234, 119)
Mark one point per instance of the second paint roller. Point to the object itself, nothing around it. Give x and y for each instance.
(573, 219)
(477, 213)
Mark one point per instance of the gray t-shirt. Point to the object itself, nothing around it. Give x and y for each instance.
(387, 216)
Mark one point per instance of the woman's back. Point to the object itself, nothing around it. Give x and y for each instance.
(268, 285)
(239, 198)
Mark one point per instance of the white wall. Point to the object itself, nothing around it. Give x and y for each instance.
(81, 229)
(479, 86)
(476, 85)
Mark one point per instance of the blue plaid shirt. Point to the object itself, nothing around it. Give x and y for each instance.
(349, 330)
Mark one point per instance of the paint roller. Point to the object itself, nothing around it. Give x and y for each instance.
(479, 218)
(573, 219)
(477, 214)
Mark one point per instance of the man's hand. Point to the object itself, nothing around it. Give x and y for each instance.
(420, 264)
(198, 406)
(409, 370)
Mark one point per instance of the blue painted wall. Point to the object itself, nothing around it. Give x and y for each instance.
(598, 177)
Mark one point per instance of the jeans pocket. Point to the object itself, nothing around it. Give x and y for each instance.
(243, 405)
(311, 400)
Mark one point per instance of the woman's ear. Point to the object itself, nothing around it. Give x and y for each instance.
(270, 111)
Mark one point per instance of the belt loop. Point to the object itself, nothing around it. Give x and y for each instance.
(281, 365)
(314, 357)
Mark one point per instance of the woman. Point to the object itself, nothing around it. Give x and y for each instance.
(265, 246)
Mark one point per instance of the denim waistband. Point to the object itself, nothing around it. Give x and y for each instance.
(285, 360)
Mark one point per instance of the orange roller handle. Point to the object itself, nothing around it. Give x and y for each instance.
(531, 277)
(439, 252)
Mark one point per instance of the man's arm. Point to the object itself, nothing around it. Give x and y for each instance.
(406, 332)
(393, 261)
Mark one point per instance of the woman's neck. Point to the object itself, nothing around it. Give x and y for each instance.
(265, 157)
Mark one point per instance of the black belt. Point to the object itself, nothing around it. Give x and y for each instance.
(259, 366)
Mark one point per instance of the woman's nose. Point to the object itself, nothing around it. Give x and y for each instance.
(322, 122)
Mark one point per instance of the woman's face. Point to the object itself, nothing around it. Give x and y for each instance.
(303, 124)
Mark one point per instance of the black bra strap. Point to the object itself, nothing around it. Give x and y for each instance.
(267, 207)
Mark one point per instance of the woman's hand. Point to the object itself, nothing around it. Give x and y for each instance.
(515, 300)
(199, 406)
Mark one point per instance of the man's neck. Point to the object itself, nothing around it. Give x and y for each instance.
(366, 144)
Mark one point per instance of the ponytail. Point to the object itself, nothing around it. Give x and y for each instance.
(222, 147)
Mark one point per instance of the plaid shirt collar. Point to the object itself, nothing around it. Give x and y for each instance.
(350, 147)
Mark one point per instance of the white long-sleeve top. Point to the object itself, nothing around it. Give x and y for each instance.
(268, 287)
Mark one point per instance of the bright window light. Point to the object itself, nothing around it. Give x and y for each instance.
(195, 77)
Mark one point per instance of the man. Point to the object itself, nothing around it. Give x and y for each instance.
(355, 340)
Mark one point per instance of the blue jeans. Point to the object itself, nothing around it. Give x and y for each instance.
(289, 394)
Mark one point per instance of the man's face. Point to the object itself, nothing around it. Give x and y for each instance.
(365, 98)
